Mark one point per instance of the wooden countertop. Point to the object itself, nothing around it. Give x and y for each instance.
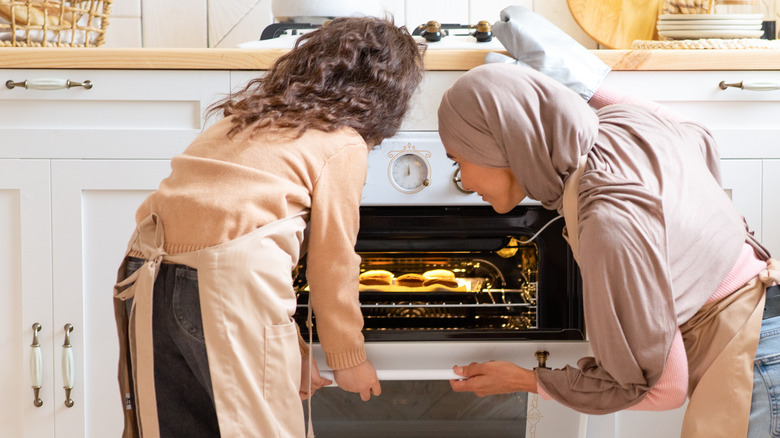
(259, 59)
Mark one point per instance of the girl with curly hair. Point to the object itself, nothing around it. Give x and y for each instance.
(205, 293)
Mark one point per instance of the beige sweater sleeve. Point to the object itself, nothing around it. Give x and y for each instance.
(333, 266)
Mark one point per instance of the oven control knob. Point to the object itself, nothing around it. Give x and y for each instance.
(458, 182)
(484, 32)
(409, 171)
(431, 31)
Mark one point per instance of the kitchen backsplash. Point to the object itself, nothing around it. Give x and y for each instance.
(226, 23)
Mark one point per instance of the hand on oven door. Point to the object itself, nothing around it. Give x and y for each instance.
(770, 276)
(361, 379)
(317, 381)
(494, 377)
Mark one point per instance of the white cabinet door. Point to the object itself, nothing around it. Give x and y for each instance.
(25, 297)
(771, 206)
(742, 181)
(93, 216)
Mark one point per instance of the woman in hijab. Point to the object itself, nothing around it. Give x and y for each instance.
(674, 286)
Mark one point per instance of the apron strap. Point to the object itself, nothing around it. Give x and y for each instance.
(310, 425)
(148, 239)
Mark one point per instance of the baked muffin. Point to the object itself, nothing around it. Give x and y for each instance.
(442, 277)
(376, 277)
(409, 280)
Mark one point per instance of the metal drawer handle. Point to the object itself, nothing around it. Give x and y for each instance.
(36, 366)
(47, 84)
(752, 86)
(541, 358)
(67, 365)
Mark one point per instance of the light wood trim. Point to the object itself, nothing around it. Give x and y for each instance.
(259, 59)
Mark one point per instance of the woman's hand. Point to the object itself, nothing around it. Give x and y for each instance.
(361, 379)
(317, 381)
(771, 276)
(490, 378)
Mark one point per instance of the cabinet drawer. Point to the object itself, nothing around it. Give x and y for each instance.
(125, 114)
(743, 122)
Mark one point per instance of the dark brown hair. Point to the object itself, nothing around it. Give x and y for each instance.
(352, 72)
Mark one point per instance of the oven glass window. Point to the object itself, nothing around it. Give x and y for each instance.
(422, 409)
(462, 274)
(447, 291)
(452, 291)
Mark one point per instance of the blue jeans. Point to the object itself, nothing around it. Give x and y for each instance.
(765, 406)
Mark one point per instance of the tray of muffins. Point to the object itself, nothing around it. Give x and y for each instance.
(432, 280)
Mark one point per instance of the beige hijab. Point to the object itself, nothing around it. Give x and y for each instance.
(657, 234)
(500, 115)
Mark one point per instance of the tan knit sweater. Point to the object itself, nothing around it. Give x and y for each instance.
(220, 189)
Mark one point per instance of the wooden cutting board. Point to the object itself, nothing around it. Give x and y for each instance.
(615, 24)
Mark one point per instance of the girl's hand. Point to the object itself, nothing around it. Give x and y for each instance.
(317, 381)
(361, 379)
(490, 378)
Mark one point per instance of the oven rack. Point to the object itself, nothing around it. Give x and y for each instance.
(440, 305)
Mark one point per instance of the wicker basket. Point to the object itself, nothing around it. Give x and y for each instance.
(52, 23)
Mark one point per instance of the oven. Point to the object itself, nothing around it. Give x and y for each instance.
(514, 295)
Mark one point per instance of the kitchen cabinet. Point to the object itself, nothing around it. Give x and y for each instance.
(65, 225)
(93, 216)
(74, 166)
(25, 296)
(75, 163)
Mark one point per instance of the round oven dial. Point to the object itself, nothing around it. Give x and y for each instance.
(409, 172)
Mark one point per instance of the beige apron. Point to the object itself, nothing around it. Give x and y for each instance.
(720, 342)
(247, 302)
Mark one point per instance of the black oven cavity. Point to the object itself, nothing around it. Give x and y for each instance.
(502, 285)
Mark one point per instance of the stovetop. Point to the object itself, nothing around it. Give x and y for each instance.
(455, 37)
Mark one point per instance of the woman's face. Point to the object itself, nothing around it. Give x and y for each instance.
(497, 186)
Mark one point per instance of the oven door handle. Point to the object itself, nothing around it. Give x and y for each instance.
(419, 374)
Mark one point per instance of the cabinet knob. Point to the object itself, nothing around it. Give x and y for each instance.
(36, 366)
(47, 84)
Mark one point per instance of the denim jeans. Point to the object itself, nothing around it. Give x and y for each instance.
(185, 401)
(765, 407)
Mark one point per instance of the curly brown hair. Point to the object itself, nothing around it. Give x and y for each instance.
(357, 72)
